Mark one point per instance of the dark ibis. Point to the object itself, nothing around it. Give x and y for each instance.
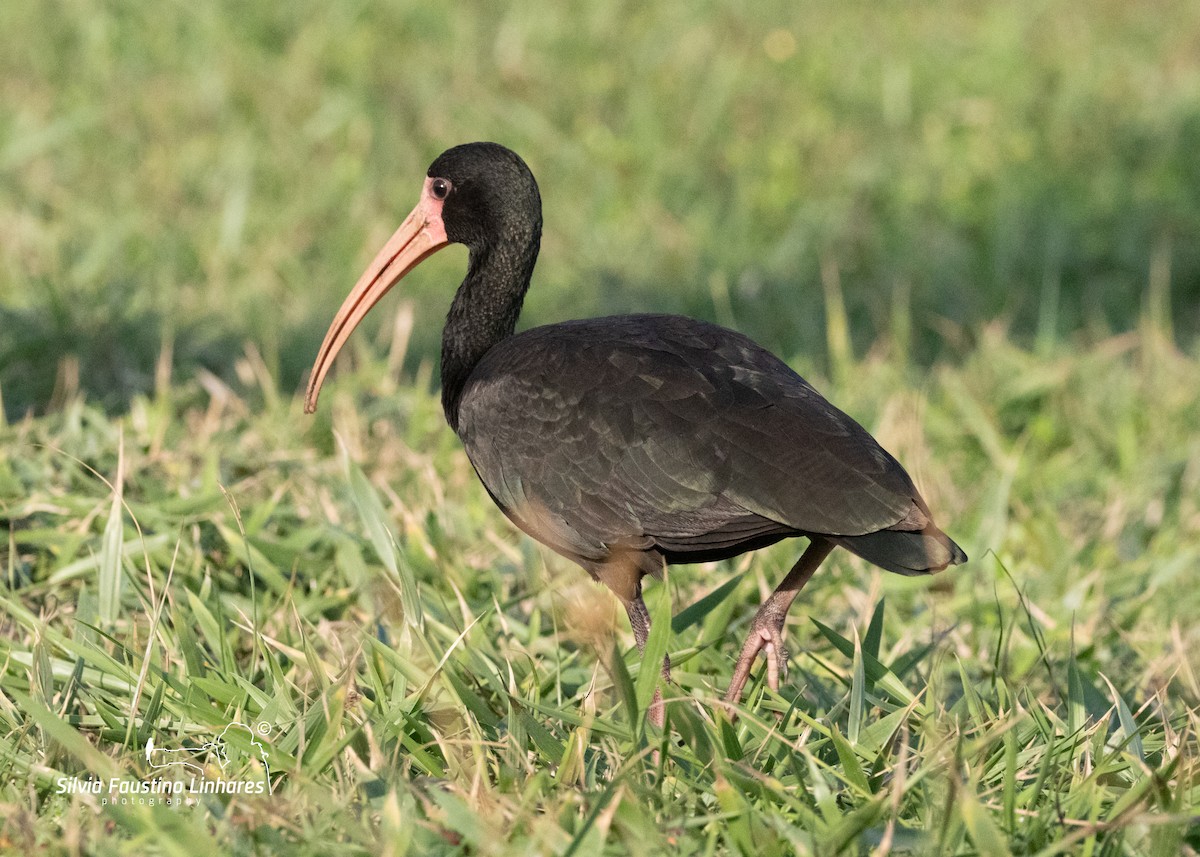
(629, 442)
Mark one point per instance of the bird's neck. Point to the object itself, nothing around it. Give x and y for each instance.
(484, 312)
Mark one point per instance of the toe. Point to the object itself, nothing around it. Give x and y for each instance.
(772, 666)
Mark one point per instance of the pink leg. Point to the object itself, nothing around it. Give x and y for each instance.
(766, 631)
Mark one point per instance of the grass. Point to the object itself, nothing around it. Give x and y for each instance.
(430, 681)
(186, 195)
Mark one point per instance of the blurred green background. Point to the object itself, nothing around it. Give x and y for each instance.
(209, 174)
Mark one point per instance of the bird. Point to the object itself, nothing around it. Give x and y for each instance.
(631, 442)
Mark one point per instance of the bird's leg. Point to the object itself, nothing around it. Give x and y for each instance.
(639, 620)
(622, 574)
(766, 631)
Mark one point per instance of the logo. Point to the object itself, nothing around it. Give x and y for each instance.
(229, 751)
(217, 749)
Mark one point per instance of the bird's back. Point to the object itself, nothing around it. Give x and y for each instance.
(684, 440)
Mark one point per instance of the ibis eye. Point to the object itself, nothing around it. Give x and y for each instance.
(440, 188)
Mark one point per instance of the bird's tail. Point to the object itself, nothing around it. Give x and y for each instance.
(909, 553)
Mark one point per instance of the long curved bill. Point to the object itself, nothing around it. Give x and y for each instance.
(421, 234)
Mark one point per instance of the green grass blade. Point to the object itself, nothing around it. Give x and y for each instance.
(375, 520)
(858, 682)
(873, 639)
(108, 580)
(851, 766)
(872, 668)
(988, 839)
(1076, 707)
(625, 688)
(1132, 735)
(649, 675)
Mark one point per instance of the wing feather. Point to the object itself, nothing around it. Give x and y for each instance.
(638, 430)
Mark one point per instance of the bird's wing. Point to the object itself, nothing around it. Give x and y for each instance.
(662, 428)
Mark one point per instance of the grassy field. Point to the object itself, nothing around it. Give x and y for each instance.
(973, 227)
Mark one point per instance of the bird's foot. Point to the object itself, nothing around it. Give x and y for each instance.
(766, 636)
